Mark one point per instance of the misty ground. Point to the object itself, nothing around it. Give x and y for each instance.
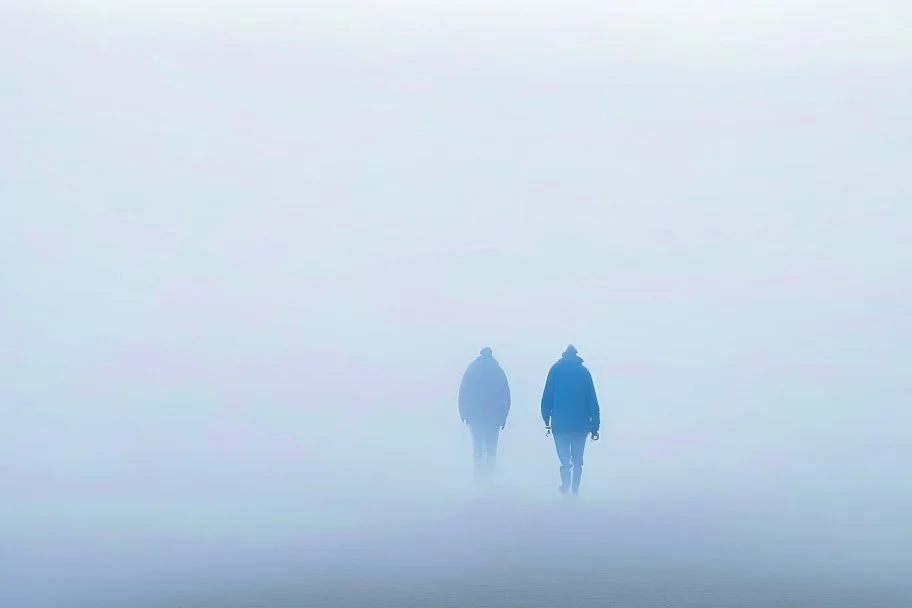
(380, 515)
(494, 547)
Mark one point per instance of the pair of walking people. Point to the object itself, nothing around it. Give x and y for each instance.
(569, 409)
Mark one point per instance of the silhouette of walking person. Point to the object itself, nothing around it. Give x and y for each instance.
(484, 404)
(570, 410)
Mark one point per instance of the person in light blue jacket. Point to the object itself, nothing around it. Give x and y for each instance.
(484, 405)
(570, 410)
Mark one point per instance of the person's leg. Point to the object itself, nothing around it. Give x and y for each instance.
(562, 445)
(492, 436)
(478, 441)
(577, 449)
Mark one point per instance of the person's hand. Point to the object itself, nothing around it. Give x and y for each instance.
(595, 436)
(547, 431)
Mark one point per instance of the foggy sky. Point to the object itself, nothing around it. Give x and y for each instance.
(246, 256)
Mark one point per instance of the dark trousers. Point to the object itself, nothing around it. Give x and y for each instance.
(484, 449)
(570, 447)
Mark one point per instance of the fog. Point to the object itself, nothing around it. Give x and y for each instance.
(246, 255)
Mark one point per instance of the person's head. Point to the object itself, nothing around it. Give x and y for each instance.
(487, 352)
(570, 351)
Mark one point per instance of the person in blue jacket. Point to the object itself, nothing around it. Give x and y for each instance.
(570, 410)
(484, 404)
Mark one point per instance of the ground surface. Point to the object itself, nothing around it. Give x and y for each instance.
(489, 549)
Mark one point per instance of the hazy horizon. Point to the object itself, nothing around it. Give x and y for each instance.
(247, 254)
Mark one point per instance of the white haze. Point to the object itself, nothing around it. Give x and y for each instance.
(245, 258)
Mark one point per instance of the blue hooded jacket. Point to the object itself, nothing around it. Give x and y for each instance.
(568, 401)
(484, 393)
